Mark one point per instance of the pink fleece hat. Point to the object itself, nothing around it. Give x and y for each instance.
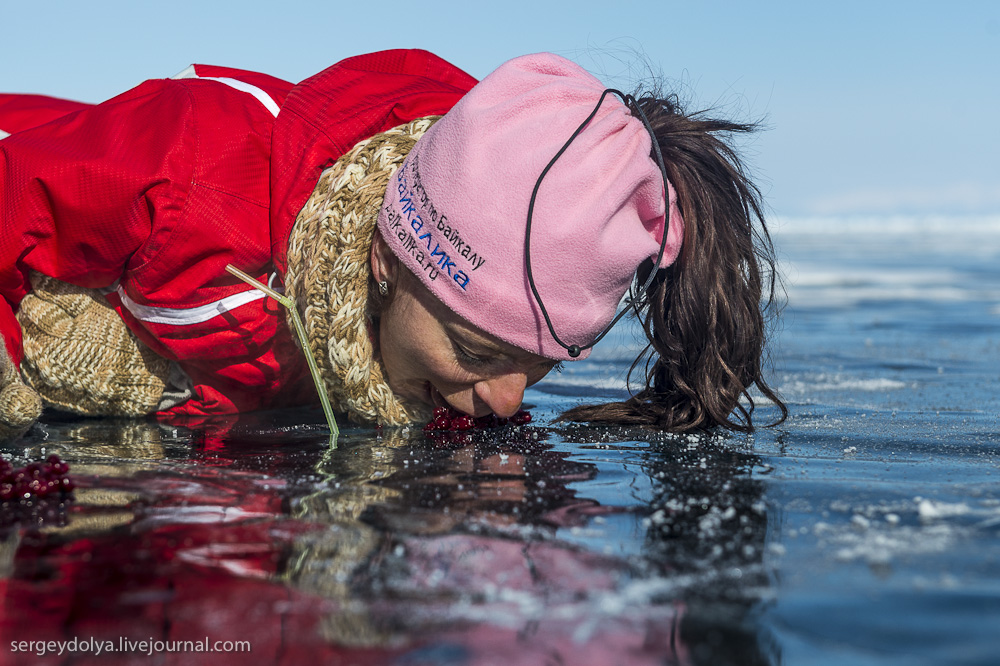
(455, 212)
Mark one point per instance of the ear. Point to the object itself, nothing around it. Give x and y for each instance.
(385, 264)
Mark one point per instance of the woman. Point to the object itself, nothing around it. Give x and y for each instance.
(500, 249)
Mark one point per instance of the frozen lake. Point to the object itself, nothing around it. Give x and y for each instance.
(863, 530)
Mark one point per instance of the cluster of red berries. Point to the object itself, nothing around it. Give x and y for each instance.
(42, 478)
(447, 419)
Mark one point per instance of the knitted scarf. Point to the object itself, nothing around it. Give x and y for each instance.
(329, 271)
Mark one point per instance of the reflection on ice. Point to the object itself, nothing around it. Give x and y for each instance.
(401, 548)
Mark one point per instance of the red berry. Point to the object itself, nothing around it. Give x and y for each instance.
(488, 421)
(521, 417)
(37, 479)
(447, 419)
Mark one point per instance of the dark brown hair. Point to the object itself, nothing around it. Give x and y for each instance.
(706, 317)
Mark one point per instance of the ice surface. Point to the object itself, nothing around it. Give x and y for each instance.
(863, 530)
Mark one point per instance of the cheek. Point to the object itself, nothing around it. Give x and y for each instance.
(398, 351)
(409, 338)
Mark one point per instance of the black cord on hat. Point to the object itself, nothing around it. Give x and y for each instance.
(574, 350)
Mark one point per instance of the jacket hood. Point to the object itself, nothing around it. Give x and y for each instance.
(324, 116)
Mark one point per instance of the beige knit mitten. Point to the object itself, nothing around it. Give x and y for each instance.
(80, 356)
(20, 406)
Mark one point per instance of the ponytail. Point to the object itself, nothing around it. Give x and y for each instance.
(706, 316)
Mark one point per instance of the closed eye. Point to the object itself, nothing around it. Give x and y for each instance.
(467, 357)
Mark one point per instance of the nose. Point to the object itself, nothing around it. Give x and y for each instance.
(502, 394)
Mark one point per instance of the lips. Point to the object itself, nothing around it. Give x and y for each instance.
(435, 398)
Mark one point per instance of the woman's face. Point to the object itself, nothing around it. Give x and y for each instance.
(433, 356)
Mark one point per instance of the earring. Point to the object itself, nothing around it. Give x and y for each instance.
(383, 287)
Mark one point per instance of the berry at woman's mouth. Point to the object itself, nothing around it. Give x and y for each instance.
(449, 419)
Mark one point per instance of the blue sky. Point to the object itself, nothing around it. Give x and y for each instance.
(871, 107)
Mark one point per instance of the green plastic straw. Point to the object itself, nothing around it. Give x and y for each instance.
(300, 330)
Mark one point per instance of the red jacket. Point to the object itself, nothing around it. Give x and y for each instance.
(152, 193)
